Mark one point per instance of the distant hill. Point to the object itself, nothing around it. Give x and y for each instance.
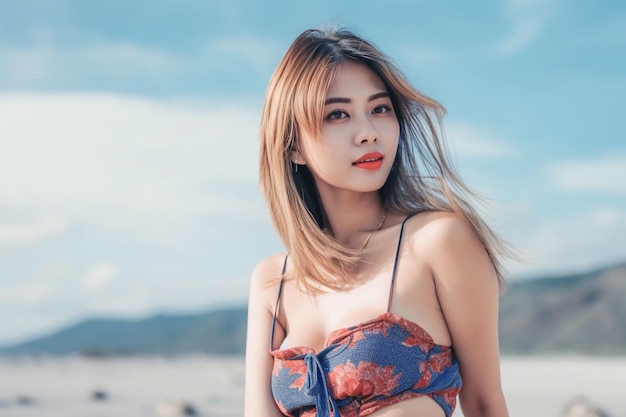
(581, 314)
(215, 332)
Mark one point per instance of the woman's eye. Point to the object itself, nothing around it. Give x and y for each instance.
(336, 115)
(381, 109)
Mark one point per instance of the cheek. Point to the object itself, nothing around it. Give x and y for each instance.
(325, 159)
(393, 128)
(321, 149)
(314, 154)
(392, 135)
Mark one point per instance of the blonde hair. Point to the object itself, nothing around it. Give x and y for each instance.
(421, 178)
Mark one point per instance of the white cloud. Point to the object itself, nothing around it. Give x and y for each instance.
(127, 174)
(477, 142)
(21, 234)
(606, 174)
(573, 243)
(125, 164)
(114, 60)
(99, 276)
(607, 217)
(529, 18)
(31, 285)
(68, 65)
(29, 294)
(56, 270)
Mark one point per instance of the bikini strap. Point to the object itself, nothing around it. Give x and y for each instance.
(277, 306)
(395, 262)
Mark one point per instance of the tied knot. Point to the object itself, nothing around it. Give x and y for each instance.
(315, 385)
(314, 373)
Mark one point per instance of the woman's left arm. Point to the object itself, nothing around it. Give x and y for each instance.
(468, 292)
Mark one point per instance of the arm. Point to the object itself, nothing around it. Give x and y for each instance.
(259, 401)
(468, 293)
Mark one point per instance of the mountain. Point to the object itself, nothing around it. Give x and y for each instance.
(581, 314)
(215, 332)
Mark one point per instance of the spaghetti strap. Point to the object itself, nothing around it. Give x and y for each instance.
(280, 290)
(395, 262)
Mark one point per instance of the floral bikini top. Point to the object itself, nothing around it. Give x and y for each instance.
(364, 368)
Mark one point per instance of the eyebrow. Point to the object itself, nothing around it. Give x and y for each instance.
(373, 97)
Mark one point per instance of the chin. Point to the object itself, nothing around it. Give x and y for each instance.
(371, 188)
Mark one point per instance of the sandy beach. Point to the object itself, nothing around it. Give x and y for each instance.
(213, 386)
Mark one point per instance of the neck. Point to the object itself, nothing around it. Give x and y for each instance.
(347, 218)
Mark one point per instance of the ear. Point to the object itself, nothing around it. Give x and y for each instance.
(297, 158)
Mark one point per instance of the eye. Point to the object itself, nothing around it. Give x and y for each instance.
(382, 109)
(336, 115)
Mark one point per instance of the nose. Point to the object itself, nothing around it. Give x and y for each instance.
(366, 131)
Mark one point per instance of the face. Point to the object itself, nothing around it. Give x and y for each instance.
(359, 137)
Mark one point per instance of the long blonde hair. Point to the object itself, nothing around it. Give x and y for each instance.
(421, 178)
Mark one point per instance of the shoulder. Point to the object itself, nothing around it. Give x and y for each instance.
(448, 244)
(267, 273)
(439, 229)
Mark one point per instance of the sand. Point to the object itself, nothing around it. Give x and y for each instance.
(213, 386)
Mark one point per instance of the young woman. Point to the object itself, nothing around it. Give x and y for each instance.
(386, 302)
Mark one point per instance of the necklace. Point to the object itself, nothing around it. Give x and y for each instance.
(369, 236)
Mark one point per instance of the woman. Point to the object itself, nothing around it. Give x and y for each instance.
(386, 302)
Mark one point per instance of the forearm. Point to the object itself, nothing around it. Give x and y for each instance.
(493, 409)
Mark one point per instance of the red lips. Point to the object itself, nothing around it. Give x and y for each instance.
(369, 161)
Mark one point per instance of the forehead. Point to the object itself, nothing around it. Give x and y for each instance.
(353, 80)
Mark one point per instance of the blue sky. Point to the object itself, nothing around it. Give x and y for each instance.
(128, 139)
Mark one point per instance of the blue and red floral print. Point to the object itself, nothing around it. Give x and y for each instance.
(364, 368)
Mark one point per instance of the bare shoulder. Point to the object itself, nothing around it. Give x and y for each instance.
(440, 228)
(452, 249)
(266, 274)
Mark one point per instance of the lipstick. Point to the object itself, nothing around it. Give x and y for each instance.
(370, 161)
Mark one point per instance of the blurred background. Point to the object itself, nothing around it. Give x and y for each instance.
(128, 155)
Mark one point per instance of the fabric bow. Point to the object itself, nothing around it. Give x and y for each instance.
(315, 385)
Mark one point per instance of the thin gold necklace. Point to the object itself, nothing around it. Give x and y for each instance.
(369, 236)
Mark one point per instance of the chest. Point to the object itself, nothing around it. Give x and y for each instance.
(310, 319)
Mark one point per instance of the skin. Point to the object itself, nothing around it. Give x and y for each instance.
(445, 280)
